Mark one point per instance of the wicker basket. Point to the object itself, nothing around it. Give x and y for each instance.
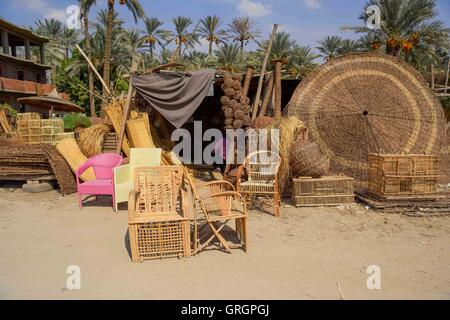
(399, 177)
(325, 191)
(28, 116)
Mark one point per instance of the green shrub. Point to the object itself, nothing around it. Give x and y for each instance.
(73, 120)
(9, 109)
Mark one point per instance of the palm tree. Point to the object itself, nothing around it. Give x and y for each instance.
(85, 6)
(349, 46)
(182, 35)
(196, 60)
(70, 38)
(406, 26)
(138, 12)
(330, 46)
(210, 30)
(229, 56)
(153, 34)
(54, 52)
(281, 47)
(244, 30)
(301, 61)
(50, 28)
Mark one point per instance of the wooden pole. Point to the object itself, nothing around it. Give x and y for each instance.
(263, 71)
(277, 87)
(446, 76)
(126, 108)
(93, 69)
(248, 79)
(267, 95)
(93, 93)
(432, 77)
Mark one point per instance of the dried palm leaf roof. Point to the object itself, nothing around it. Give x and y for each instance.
(368, 102)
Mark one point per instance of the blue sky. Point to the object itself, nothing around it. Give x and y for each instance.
(306, 20)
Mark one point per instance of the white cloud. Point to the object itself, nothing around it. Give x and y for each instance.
(43, 8)
(312, 4)
(254, 8)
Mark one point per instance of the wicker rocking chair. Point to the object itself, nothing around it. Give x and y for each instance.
(157, 214)
(261, 171)
(219, 206)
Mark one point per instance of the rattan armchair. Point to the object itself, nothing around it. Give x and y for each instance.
(158, 224)
(258, 176)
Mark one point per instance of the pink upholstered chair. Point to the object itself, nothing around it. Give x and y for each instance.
(103, 166)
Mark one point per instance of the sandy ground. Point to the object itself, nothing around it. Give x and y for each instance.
(302, 255)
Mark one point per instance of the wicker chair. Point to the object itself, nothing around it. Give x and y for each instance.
(219, 205)
(261, 171)
(157, 221)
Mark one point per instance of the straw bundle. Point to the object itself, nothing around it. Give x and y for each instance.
(91, 139)
(114, 112)
(69, 150)
(291, 129)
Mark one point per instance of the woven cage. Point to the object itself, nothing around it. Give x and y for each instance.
(367, 103)
(69, 150)
(324, 191)
(161, 239)
(28, 116)
(157, 225)
(34, 139)
(403, 176)
(159, 189)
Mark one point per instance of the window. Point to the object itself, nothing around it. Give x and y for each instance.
(20, 75)
(38, 78)
(1, 71)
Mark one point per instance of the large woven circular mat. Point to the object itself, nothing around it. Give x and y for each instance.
(368, 102)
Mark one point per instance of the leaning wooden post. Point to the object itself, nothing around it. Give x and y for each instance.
(126, 108)
(93, 69)
(267, 95)
(446, 77)
(277, 84)
(432, 77)
(247, 80)
(263, 71)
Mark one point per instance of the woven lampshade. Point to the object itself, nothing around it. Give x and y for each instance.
(368, 102)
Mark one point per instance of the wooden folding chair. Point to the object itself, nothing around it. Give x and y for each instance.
(219, 206)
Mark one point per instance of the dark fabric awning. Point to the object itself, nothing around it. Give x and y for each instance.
(175, 95)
